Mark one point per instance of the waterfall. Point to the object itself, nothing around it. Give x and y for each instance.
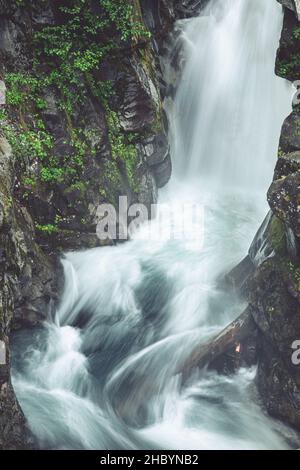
(230, 105)
(103, 374)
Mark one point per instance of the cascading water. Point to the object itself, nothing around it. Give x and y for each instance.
(102, 375)
(230, 105)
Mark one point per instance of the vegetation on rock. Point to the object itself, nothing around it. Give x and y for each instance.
(68, 58)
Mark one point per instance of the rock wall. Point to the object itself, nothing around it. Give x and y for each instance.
(91, 133)
(83, 124)
(12, 423)
(274, 291)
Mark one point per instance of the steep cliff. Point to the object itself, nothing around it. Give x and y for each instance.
(274, 292)
(82, 125)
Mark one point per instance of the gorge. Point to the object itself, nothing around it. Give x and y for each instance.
(97, 336)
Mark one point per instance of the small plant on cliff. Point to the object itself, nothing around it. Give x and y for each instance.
(295, 272)
(49, 229)
(122, 148)
(68, 58)
(277, 236)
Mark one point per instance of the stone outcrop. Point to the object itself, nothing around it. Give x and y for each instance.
(275, 307)
(293, 5)
(159, 15)
(13, 266)
(43, 214)
(274, 289)
(29, 270)
(136, 102)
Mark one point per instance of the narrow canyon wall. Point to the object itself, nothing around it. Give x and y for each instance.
(274, 291)
(78, 129)
(83, 124)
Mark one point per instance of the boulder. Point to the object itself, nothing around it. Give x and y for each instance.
(287, 164)
(284, 200)
(290, 133)
(274, 305)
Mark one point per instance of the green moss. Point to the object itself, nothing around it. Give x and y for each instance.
(48, 229)
(112, 173)
(296, 33)
(79, 186)
(30, 182)
(286, 68)
(277, 236)
(68, 60)
(28, 144)
(51, 174)
(85, 38)
(123, 149)
(295, 272)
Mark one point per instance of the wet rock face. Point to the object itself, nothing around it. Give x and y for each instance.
(283, 194)
(290, 135)
(274, 291)
(286, 164)
(134, 75)
(287, 63)
(156, 151)
(30, 273)
(275, 307)
(160, 14)
(13, 264)
(284, 200)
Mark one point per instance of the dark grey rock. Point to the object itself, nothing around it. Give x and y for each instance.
(162, 172)
(290, 134)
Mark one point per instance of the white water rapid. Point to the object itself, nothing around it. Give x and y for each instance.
(101, 375)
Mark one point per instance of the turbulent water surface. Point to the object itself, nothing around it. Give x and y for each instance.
(101, 375)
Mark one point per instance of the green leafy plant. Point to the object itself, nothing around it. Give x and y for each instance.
(295, 272)
(68, 59)
(49, 229)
